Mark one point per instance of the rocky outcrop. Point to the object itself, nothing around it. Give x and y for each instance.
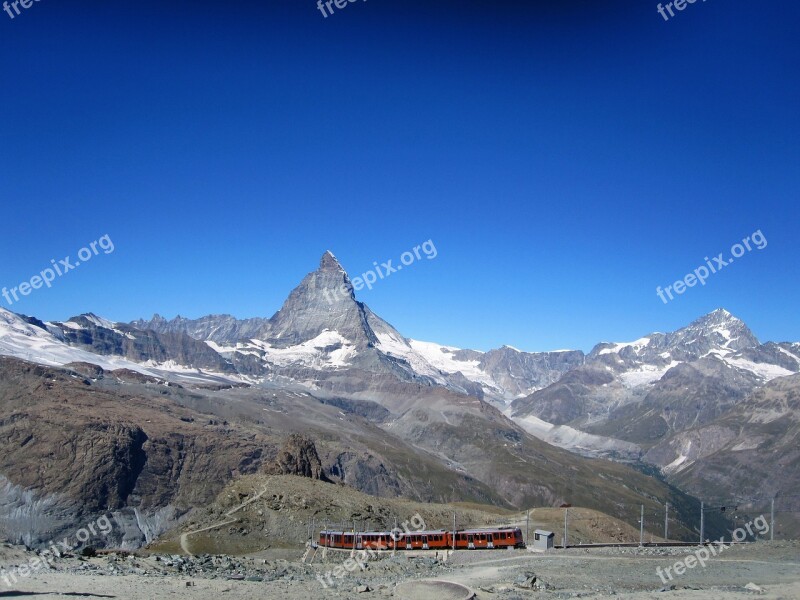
(299, 457)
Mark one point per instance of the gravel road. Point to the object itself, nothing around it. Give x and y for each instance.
(772, 571)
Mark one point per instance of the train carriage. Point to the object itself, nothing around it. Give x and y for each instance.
(489, 539)
(466, 539)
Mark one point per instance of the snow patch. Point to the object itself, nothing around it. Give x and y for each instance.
(443, 359)
(315, 353)
(617, 346)
(575, 440)
(644, 375)
(766, 371)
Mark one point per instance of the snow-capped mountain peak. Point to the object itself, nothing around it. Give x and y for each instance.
(330, 262)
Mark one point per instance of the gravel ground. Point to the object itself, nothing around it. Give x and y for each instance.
(773, 569)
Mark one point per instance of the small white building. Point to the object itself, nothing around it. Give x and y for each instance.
(543, 540)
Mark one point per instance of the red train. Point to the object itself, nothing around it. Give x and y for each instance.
(465, 539)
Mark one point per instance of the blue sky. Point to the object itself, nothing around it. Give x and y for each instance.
(566, 158)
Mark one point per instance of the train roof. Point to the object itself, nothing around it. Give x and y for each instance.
(488, 530)
(425, 532)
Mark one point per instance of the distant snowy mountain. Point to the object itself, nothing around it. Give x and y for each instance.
(717, 334)
(645, 391)
(59, 344)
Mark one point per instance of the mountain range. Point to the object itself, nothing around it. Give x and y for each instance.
(707, 409)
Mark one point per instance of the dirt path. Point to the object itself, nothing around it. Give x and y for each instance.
(185, 536)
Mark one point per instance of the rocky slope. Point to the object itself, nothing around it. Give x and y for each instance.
(73, 448)
(747, 456)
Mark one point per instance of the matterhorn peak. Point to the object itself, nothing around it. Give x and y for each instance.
(328, 262)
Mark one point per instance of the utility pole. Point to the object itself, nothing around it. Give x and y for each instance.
(527, 525)
(641, 528)
(566, 513)
(454, 531)
(666, 521)
(702, 521)
(772, 521)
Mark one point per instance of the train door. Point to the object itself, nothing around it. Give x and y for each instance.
(425, 542)
(471, 542)
(359, 543)
(490, 540)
